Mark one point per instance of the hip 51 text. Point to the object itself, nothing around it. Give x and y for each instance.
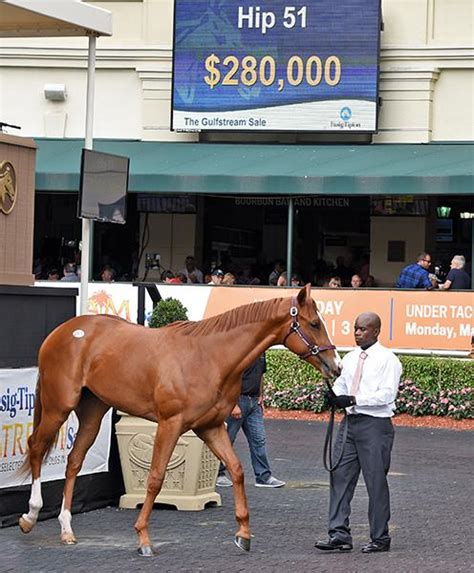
(253, 17)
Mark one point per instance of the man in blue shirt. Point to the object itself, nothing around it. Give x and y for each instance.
(416, 275)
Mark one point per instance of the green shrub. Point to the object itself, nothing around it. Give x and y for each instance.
(168, 310)
(438, 373)
(430, 385)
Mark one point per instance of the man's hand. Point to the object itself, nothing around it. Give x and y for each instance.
(236, 412)
(328, 398)
(342, 401)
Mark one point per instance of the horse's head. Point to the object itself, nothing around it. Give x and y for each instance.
(307, 335)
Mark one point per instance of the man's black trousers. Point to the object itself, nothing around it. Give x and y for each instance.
(368, 448)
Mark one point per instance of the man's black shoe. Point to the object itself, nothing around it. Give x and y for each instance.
(376, 547)
(332, 545)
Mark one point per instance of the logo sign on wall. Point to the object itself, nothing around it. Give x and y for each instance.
(17, 403)
(275, 65)
(8, 190)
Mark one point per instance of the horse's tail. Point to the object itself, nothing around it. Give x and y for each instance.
(38, 407)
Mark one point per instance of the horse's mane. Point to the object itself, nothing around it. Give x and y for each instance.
(248, 313)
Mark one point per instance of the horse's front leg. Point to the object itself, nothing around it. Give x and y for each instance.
(166, 437)
(219, 443)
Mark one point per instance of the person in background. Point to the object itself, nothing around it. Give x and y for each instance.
(334, 282)
(217, 276)
(70, 274)
(169, 278)
(39, 265)
(248, 415)
(356, 281)
(296, 280)
(417, 274)
(370, 281)
(276, 272)
(282, 279)
(229, 279)
(193, 274)
(364, 268)
(53, 275)
(344, 269)
(457, 278)
(181, 277)
(366, 388)
(107, 275)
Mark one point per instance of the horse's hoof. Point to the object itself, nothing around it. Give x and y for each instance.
(68, 539)
(25, 525)
(242, 543)
(145, 551)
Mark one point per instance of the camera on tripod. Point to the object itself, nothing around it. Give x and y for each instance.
(152, 261)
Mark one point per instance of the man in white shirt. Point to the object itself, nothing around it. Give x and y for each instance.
(367, 389)
(193, 274)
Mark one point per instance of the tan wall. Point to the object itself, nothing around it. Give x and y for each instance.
(170, 236)
(117, 109)
(426, 62)
(415, 22)
(453, 22)
(385, 229)
(453, 106)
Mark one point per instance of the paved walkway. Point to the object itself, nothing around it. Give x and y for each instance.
(431, 485)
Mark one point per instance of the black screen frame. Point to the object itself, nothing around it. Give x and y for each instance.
(81, 184)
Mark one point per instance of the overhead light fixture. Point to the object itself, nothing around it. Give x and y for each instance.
(466, 215)
(55, 92)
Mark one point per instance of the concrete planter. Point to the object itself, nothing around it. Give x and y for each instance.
(191, 474)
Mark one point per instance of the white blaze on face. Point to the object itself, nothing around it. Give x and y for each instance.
(338, 358)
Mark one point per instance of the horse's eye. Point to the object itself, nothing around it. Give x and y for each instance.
(316, 325)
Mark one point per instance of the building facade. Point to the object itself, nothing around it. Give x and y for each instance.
(426, 90)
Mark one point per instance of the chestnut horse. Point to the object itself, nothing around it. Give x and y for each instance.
(186, 376)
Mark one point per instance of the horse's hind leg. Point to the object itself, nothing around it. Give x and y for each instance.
(219, 443)
(90, 412)
(38, 443)
(166, 437)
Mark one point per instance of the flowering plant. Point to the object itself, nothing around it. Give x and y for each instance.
(458, 403)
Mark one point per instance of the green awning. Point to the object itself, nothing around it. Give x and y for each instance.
(255, 169)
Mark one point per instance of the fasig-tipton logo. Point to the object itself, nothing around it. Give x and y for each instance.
(345, 113)
(14, 401)
(345, 122)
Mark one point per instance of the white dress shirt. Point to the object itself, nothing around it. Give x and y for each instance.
(197, 273)
(378, 385)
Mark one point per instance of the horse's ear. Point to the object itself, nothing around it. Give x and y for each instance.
(305, 293)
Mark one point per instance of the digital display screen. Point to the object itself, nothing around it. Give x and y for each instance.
(103, 188)
(276, 65)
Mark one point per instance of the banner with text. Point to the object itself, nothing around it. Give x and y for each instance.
(412, 320)
(276, 66)
(17, 402)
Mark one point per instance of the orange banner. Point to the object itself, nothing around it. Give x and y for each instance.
(410, 319)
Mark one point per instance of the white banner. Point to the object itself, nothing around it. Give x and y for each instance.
(17, 402)
(121, 299)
